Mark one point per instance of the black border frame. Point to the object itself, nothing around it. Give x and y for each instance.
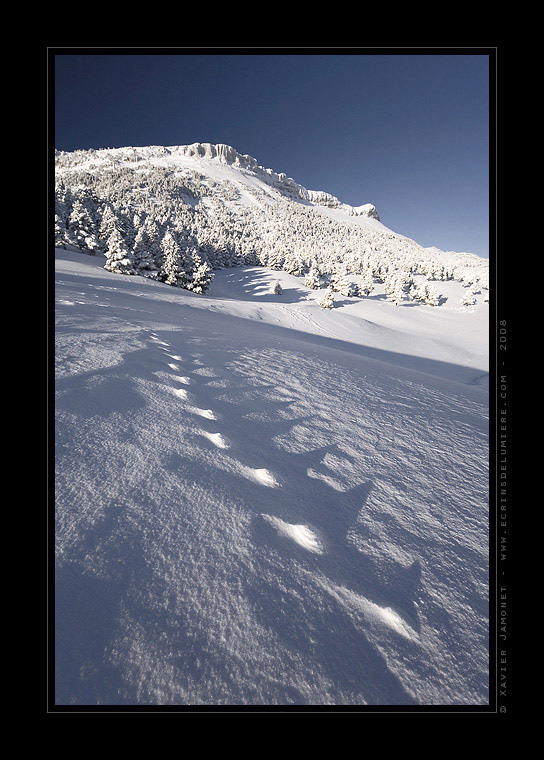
(500, 653)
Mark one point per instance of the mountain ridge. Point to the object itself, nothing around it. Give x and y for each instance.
(227, 154)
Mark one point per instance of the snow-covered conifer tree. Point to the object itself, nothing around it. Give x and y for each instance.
(394, 287)
(119, 260)
(426, 294)
(312, 278)
(347, 287)
(108, 224)
(201, 277)
(142, 251)
(84, 227)
(327, 301)
(396, 295)
(292, 264)
(468, 299)
(366, 285)
(173, 270)
(60, 230)
(277, 288)
(275, 261)
(433, 298)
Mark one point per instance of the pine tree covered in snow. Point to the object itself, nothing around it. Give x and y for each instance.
(426, 294)
(395, 284)
(366, 284)
(433, 297)
(81, 227)
(275, 260)
(327, 301)
(347, 287)
(468, 299)
(108, 224)
(174, 269)
(119, 260)
(312, 279)
(145, 247)
(201, 277)
(60, 232)
(292, 264)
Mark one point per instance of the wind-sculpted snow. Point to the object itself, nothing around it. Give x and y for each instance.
(249, 513)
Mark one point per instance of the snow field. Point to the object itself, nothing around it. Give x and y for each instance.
(292, 520)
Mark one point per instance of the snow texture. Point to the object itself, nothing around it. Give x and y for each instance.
(262, 502)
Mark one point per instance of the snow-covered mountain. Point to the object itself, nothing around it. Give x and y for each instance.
(177, 213)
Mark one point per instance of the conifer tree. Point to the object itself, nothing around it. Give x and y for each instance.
(468, 299)
(108, 224)
(119, 260)
(142, 251)
(202, 276)
(327, 301)
(60, 231)
(366, 285)
(433, 299)
(173, 271)
(275, 261)
(426, 294)
(312, 278)
(82, 228)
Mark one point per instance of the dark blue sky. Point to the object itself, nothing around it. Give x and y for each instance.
(408, 133)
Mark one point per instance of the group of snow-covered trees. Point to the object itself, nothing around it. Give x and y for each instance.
(177, 226)
(135, 239)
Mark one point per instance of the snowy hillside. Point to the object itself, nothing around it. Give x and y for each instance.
(260, 501)
(178, 214)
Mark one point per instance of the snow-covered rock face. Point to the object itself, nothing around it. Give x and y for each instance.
(283, 183)
(222, 152)
(367, 209)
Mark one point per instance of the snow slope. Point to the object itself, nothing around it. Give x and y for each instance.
(259, 502)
